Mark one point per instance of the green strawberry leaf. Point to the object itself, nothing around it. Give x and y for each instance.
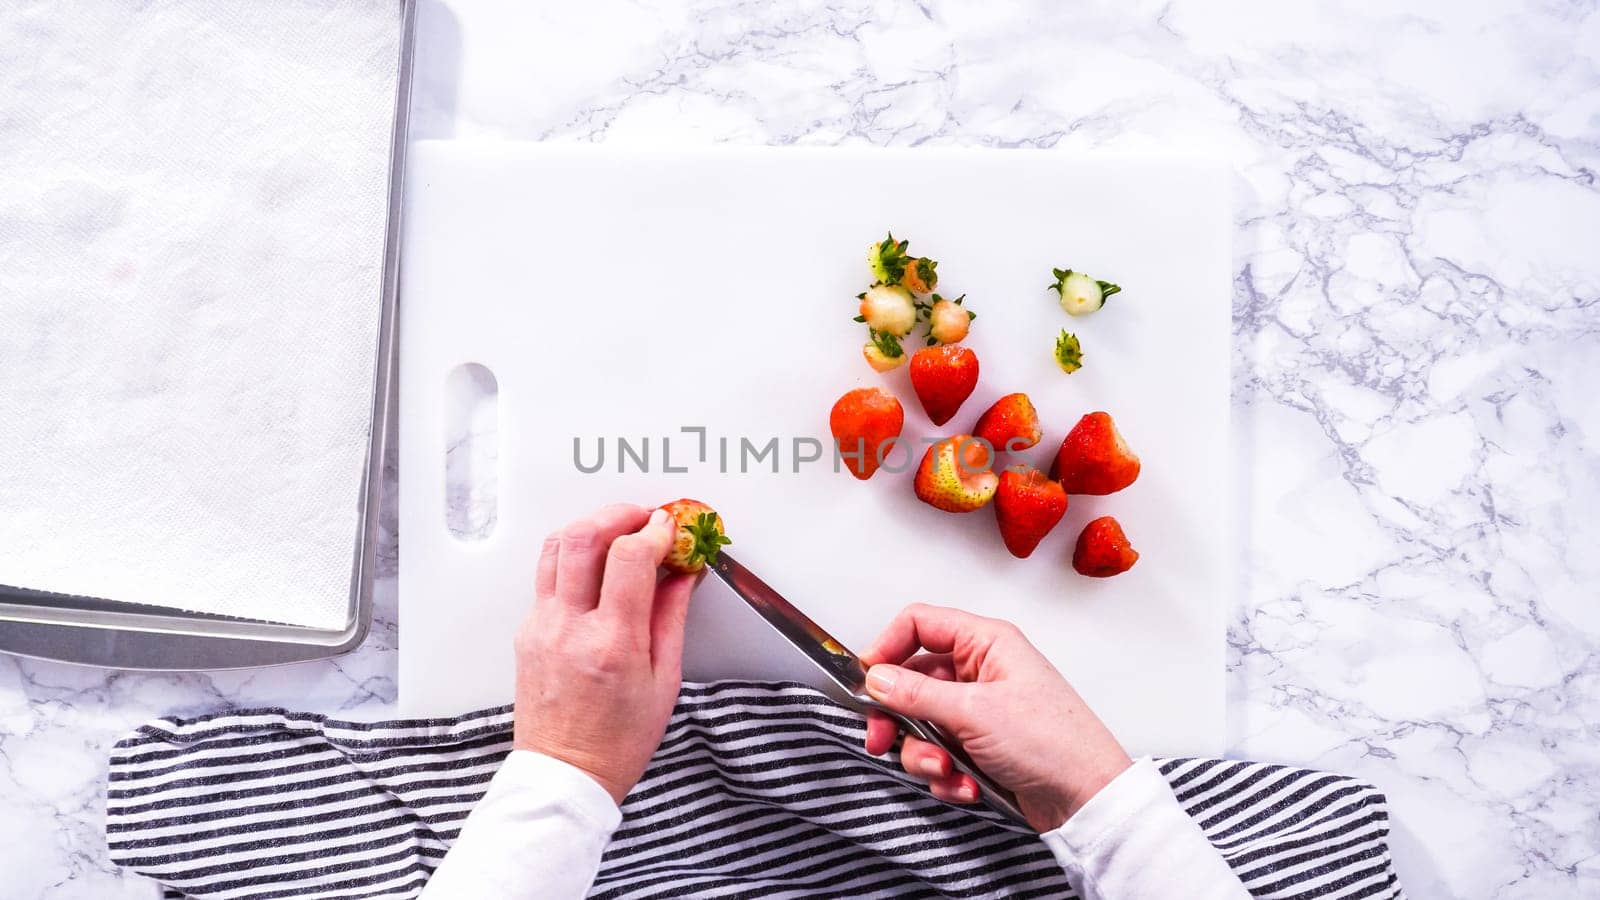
(887, 260)
(708, 539)
(887, 344)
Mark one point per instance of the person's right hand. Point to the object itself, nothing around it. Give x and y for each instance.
(983, 683)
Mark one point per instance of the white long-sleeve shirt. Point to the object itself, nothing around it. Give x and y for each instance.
(540, 830)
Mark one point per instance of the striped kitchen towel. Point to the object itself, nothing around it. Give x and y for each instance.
(758, 790)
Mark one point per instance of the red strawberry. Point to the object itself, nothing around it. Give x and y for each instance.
(954, 475)
(1103, 550)
(865, 421)
(1094, 459)
(943, 377)
(1027, 505)
(699, 536)
(1010, 424)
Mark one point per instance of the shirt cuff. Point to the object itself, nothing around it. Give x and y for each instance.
(574, 790)
(1132, 796)
(1133, 839)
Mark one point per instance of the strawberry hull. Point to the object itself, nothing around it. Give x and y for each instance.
(698, 536)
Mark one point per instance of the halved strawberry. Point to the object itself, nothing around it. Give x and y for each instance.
(1010, 424)
(700, 536)
(954, 475)
(1094, 459)
(1103, 550)
(865, 421)
(943, 378)
(1027, 505)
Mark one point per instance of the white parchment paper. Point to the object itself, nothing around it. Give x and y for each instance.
(192, 200)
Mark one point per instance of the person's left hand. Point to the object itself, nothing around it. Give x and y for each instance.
(599, 659)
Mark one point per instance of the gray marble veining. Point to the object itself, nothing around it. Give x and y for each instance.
(1416, 337)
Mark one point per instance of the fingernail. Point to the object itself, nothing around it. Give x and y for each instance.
(658, 519)
(880, 679)
(932, 767)
(966, 794)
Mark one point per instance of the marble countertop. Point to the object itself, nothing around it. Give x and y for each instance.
(1415, 392)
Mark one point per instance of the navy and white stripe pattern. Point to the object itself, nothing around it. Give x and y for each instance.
(757, 791)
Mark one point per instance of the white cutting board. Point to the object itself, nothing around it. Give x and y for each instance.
(633, 294)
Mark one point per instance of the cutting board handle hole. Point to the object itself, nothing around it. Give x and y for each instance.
(471, 452)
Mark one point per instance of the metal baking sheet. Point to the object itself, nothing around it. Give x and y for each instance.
(107, 633)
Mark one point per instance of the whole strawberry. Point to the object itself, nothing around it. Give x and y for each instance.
(1010, 424)
(865, 423)
(1094, 459)
(943, 378)
(1027, 505)
(1103, 550)
(699, 536)
(954, 475)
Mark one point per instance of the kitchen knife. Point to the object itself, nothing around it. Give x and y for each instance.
(845, 670)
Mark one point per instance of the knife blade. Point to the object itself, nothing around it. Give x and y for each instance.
(846, 671)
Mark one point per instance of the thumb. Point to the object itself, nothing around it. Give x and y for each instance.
(914, 694)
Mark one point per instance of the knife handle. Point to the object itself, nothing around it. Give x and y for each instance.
(998, 798)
